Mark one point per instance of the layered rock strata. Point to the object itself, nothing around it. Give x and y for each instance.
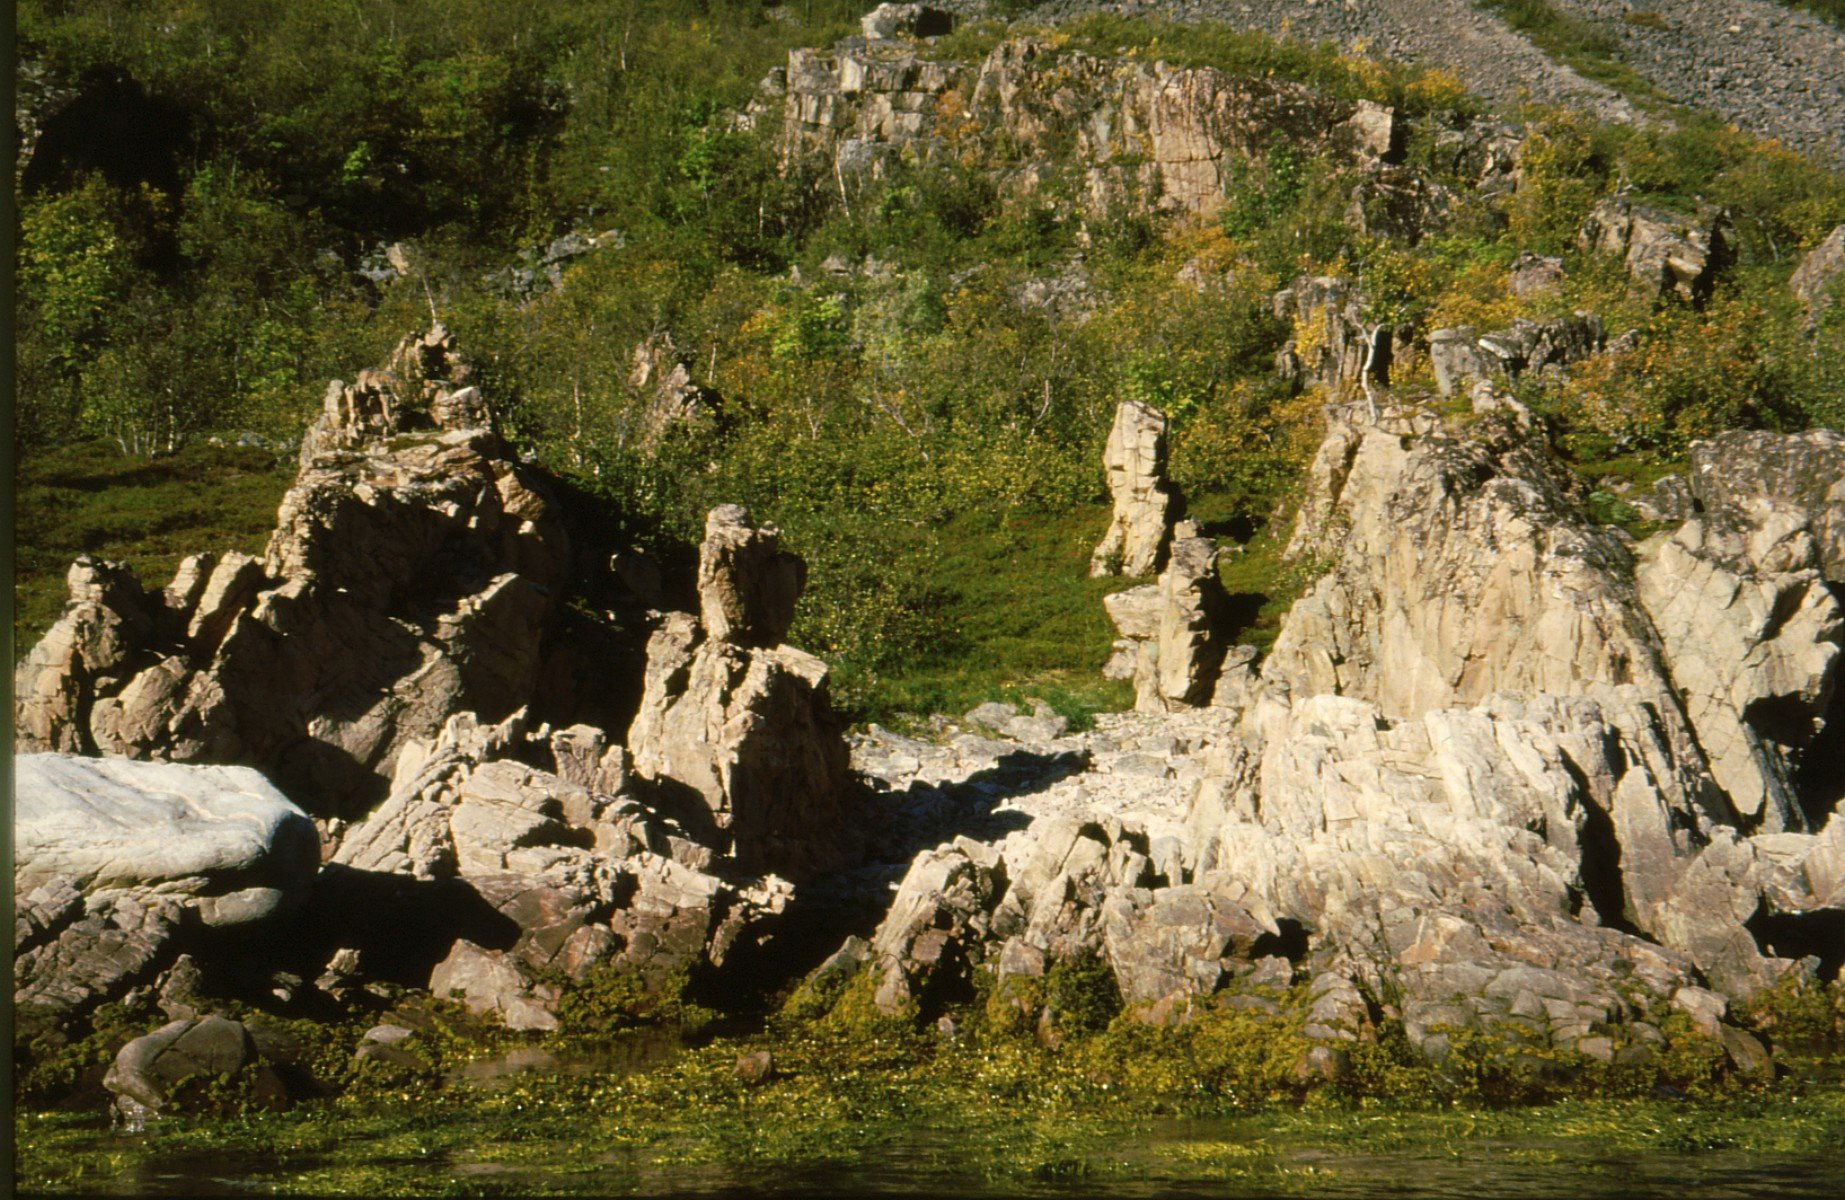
(114, 859)
(736, 735)
(1134, 460)
(1502, 769)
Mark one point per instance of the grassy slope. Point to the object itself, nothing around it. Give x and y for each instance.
(149, 513)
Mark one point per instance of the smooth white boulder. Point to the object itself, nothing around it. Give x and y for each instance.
(221, 840)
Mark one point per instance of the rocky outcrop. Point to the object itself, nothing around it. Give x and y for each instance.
(115, 860)
(735, 735)
(662, 379)
(1780, 496)
(566, 869)
(412, 573)
(1130, 132)
(1460, 356)
(1814, 282)
(1669, 254)
(906, 20)
(1171, 640)
(1135, 462)
(1482, 777)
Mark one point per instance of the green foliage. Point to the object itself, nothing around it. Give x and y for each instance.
(1081, 994)
(1269, 196)
(613, 998)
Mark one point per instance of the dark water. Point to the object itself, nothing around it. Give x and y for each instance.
(917, 1163)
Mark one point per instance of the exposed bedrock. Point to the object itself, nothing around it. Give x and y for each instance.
(413, 572)
(1502, 768)
(115, 861)
(736, 734)
(1134, 461)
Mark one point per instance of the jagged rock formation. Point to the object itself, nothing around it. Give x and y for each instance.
(1147, 135)
(1135, 461)
(113, 858)
(573, 870)
(1171, 644)
(1497, 767)
(662, 378)
(1460, 356)
(1814, 280)
(736, 735)
(1667, 253)
(412, 573)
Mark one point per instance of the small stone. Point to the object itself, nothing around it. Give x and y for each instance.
(755, 1068)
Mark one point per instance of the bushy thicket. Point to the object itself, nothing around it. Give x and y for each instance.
(916, 380)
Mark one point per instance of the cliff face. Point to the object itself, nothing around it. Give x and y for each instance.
(1132, 134)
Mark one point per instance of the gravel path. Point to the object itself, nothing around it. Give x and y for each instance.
(1769, 69)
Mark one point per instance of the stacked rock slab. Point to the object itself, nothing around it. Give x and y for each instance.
(412, 573)
(565, 869)
(114, 859)
(736, 735)
(1171, 641)
(1135, 462)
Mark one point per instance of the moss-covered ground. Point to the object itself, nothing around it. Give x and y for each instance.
(996, 1102)
(954, 1118)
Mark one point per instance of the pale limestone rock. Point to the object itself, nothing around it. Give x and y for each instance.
(218, 840)
(1189, 647)
(1813, 281)
(1781, 495)
(737, 738)
(747, 585)
(1135, 462)
(1754, 656)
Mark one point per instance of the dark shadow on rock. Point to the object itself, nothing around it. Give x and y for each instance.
(1289, 942)
(1818, 935)
(1820, 780)
(401, 926)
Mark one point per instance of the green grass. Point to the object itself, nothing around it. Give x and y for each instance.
(1023, 620)
(150, 513)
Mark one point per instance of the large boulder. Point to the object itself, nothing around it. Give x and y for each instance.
(173, 1069)
(737, 739)
(114, 861)
(1135, 462)
(219, 840)
(413, 572)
